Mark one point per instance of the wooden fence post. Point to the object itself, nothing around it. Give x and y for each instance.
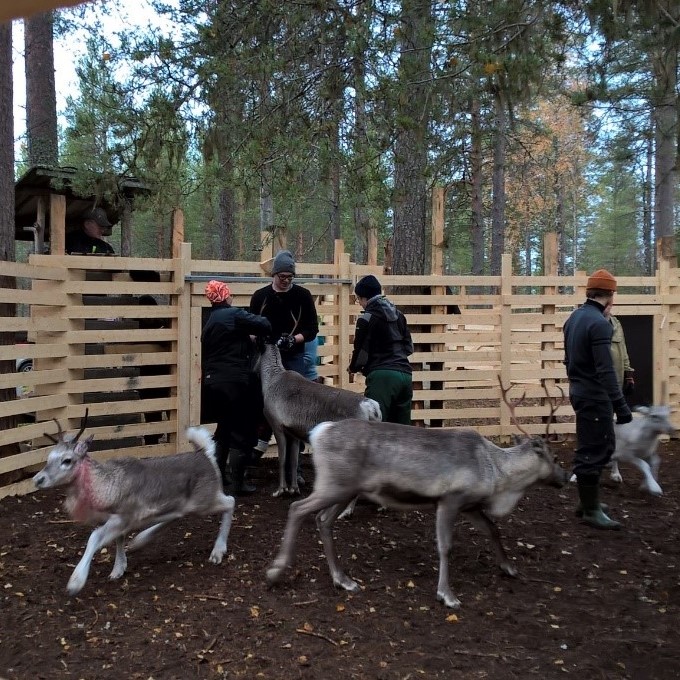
(57, 224)
(183, 344)
(342, 271)
(506, 336)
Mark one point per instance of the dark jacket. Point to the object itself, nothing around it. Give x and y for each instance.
(292, 311)
(228, 353)
(382, 339)
(587, 354)
(78, 242)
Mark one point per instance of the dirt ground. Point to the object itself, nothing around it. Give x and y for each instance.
(586, 603)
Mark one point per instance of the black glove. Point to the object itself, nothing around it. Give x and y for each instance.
(628, 383)
(623, 413)
(286, 342)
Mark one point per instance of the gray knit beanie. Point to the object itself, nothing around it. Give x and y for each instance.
(283, 262)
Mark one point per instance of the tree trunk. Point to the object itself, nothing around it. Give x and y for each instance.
(41, 97)
(666, 134)
(498, 184)
(477, 225)
(7, 310)
(410, 157)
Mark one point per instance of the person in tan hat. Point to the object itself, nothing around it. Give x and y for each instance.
(88, 240)
(595, 394)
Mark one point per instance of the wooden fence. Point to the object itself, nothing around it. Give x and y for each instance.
(136, 367)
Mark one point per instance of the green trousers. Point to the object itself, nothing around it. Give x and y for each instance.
(393, 390)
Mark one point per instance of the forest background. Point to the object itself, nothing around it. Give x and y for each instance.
(326, 119)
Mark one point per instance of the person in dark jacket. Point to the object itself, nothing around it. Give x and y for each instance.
(291, 310)
(595, 394)
(229, 383)
(382, 346)
(88, 240)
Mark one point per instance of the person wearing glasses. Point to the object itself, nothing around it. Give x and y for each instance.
(292, 313)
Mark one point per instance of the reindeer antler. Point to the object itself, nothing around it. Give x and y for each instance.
(83, 423)
(296, 319)
(60, 432)
(553, 407)
(512, 407)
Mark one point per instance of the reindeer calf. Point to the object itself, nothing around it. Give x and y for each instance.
(127, 494)
(413, 467)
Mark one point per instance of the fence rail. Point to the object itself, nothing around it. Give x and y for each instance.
(136, 367)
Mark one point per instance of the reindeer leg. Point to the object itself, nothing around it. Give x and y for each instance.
(144, 537)
(281, 445)
(293, 456)
(120, 564)
(324, 522)
(224, 504)
(649, 484)
(446, 514)
(296, 514)
(486, 526)
(114, 528)
(614, 473)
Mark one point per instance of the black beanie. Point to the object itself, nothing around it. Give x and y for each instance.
(368, 287)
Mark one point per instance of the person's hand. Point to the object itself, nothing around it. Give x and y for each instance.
(628, 383)
(286, 342)
(623, 413)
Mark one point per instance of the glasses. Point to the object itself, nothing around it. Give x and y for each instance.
(285, 277)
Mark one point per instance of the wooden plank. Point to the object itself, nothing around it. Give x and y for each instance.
(32, 378)
(20, 407)
(31, 271)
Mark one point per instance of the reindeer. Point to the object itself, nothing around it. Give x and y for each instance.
(293, 405)
(412, 468)
(127, 494)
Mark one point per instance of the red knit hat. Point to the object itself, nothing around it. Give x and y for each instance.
(217, 291)
(602, 280)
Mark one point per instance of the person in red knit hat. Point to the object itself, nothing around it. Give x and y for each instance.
(595, 394)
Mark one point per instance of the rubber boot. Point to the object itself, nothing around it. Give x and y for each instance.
(238, 462)
(578, 511)
(589, 494)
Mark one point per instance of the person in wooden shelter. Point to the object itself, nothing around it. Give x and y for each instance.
(89, 239)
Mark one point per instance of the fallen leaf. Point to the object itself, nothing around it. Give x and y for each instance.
(254, 612)
(452, 618)
(308, 627)
(410, 584)
(339, 607)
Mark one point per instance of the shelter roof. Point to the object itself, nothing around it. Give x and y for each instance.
(41, 182)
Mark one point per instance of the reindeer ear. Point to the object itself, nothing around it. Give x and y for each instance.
(82, 447)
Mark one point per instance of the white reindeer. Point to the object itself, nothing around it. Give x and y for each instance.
(637, 442)
(293, 405)
(127, 494)
(413, 467)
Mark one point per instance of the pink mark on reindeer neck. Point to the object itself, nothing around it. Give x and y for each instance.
(85, 500)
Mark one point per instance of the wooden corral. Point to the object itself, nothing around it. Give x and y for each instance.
(148, 361)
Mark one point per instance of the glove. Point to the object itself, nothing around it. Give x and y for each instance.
(628, 383)
(286, 342)
(622, 410)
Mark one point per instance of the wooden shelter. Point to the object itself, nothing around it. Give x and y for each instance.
(47, 207)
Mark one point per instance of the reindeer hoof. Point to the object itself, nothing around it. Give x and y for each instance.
(616, 477)
(448, 598)
(655, 490)
(274, 575)
(508, 570)
(278, 492)
(75, 585)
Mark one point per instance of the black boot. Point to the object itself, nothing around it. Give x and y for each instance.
(589, 494)
(238, 462)
(221, 456)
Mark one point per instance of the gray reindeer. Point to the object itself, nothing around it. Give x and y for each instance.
(410, 467)
(128, 494)
(293, 405)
